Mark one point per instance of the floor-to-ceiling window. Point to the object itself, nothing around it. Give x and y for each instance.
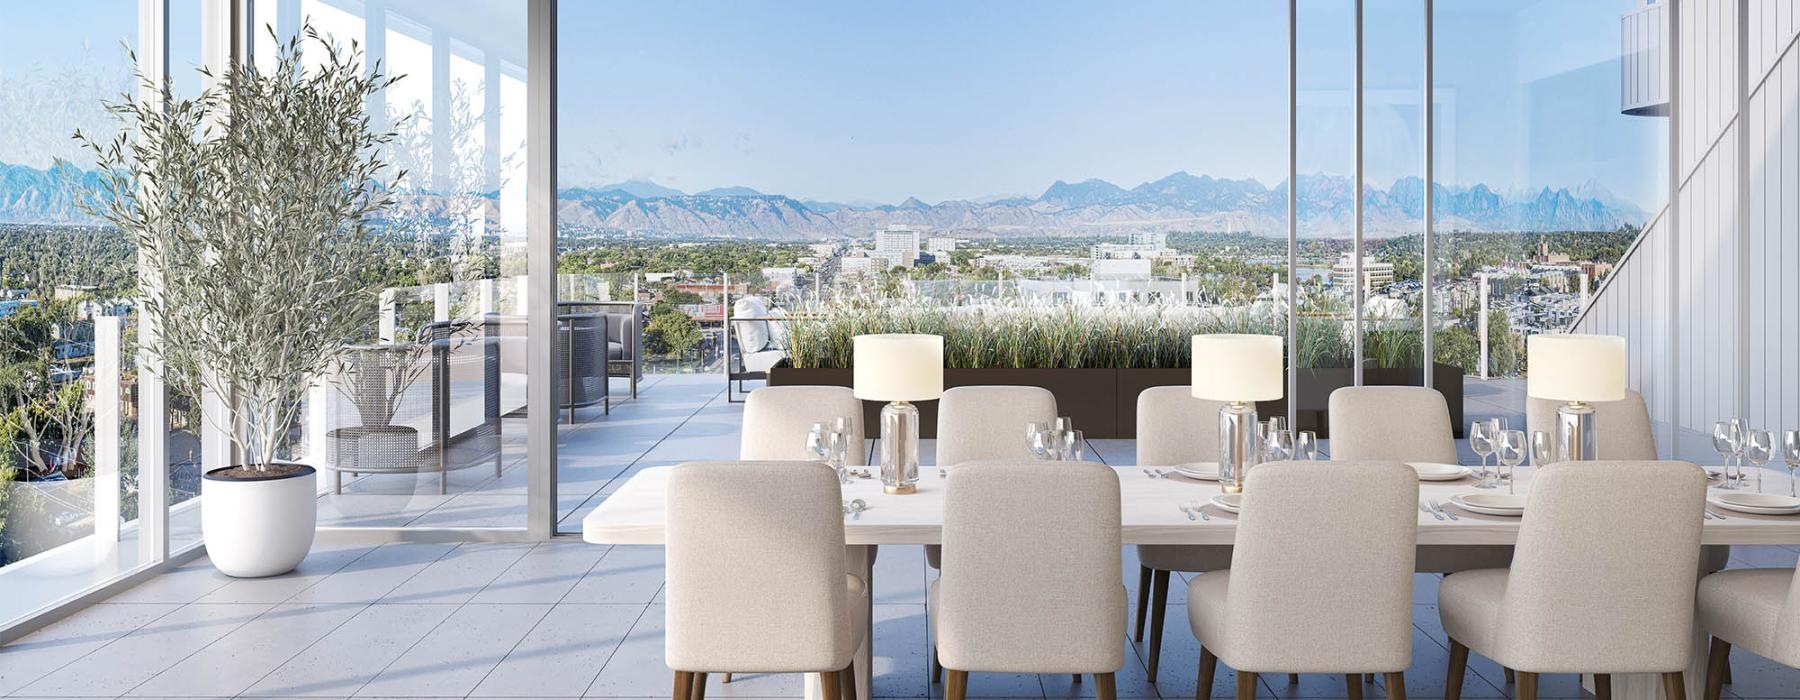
(424, 425)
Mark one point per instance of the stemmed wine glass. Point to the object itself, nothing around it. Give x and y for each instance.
(1032, 431)
(1543, 448)
(1511, 450)
(1728, 442)
(1073, 446)
(1306, 446)
(1790, 439)
(1759, 448)
(835, 448)
(1482, 442)
(1280, 445)
(815, 442)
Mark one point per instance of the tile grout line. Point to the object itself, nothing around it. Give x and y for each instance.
(203, 647)
(47, 673)
(634, 462)
(615, 651)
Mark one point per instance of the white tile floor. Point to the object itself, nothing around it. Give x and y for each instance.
(568, 619)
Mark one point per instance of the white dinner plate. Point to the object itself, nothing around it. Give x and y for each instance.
(1491, 503)
(1757, 503)
(1432, 471)
(1204, 471)
(1229, 502)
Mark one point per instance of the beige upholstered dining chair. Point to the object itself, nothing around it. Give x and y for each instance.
(1172, 428)
(1622, 428)
(730, 608)
(1406, 424)
(1757, 610)
(987, 423)
(1031, 574)
(776, 419)
(1602, 581)
(1320, 580)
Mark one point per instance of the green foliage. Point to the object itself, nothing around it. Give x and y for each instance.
(670, 332)
(251, 207)
(743, 260)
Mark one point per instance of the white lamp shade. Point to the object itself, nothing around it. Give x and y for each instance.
(1238, 367)
(898, 367)
(1574, 367)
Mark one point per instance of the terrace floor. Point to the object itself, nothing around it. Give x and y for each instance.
(569, 619)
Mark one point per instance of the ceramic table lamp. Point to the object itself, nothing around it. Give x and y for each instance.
(1239, 370)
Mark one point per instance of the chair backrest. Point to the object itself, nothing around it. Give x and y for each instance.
(1602, 576)
(1391, 423)
(1321, 549)
(1621, 428)
(776, 419)
(1173, 427)
(986, 423)
(756, 568)
(1787, 626)
(1031, 570)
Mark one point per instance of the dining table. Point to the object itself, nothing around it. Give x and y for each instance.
(1156, 507)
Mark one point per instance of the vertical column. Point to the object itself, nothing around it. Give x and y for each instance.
(540, 166)
(1356, 243)
(488, 288)
(107, 346)
(388, 321)
(1427, 328)
(1670, 388)
(153, 406)
(1743, 209)
(1293, 206)
(1481, 324)
(442, 120)
(440, 301)
(216, 44)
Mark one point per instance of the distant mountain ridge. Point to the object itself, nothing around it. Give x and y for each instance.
(1178, 202)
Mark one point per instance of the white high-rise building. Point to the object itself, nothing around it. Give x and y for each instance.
(898, 245)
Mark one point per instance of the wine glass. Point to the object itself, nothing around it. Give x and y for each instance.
(1543, 448)
(1064, 424)
(1790, 439)
(1482, 442)
(1725, 442)
(1031, 434)
(1074, 446)
(1497, 428)
(1042, 445)
(834, 447)
(1759, 448)
(1740, 428)
(1281, 444)
(1511, 451)
(1306, 446)
(1278, 422)
(815, 441)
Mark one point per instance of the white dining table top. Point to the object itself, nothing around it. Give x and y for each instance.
(1150, 510)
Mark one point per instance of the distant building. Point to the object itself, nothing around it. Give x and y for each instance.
(898, 245)
(856, 265)
(1143, 245)
(1376, 274)
(9, 307)
(940, 247)
(75, 291)
(1121, 268)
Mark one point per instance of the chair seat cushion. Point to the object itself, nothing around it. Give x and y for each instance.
(1207, 612)
(1469, 603)
(1743, 606)
(1178, 557)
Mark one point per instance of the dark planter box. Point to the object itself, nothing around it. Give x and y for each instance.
(1103, 402)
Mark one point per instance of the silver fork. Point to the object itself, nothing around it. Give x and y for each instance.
(1715, 514)
(1427, 510)
(1440, 508)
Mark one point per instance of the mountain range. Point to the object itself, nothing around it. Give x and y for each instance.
(1178, 202)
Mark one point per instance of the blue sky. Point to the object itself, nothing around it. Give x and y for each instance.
(939, 100)
(878, 101)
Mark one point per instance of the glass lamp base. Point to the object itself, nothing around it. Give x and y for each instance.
(899, 448)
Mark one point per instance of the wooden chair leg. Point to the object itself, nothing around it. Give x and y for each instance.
(1718, 663)
(726, 680)
(1368, 678)
(937, 669)
(1396, 685)
(832, 685)
(1353, 686)
(1209, 665)
(1727, 664)
(848, 679)
(1510, 679)
(1293, 679)
(1528, 685)
(684, 686)
(1077, 677)
(1159, 599)
(699, 692)
(1603, 686)
(1143, 601)
(1246, 685)
(956, 684)
(1675, 686)
(1453, 678)
(1105, 687)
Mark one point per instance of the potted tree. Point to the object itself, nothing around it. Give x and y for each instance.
(251, 208)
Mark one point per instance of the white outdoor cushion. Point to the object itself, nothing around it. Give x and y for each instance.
(752, 336)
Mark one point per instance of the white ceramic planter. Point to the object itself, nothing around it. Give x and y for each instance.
(258, 527)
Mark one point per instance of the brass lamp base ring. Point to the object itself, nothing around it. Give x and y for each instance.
(899, 490)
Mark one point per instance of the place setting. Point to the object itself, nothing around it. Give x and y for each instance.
(1740, 490)
(1509, 449)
